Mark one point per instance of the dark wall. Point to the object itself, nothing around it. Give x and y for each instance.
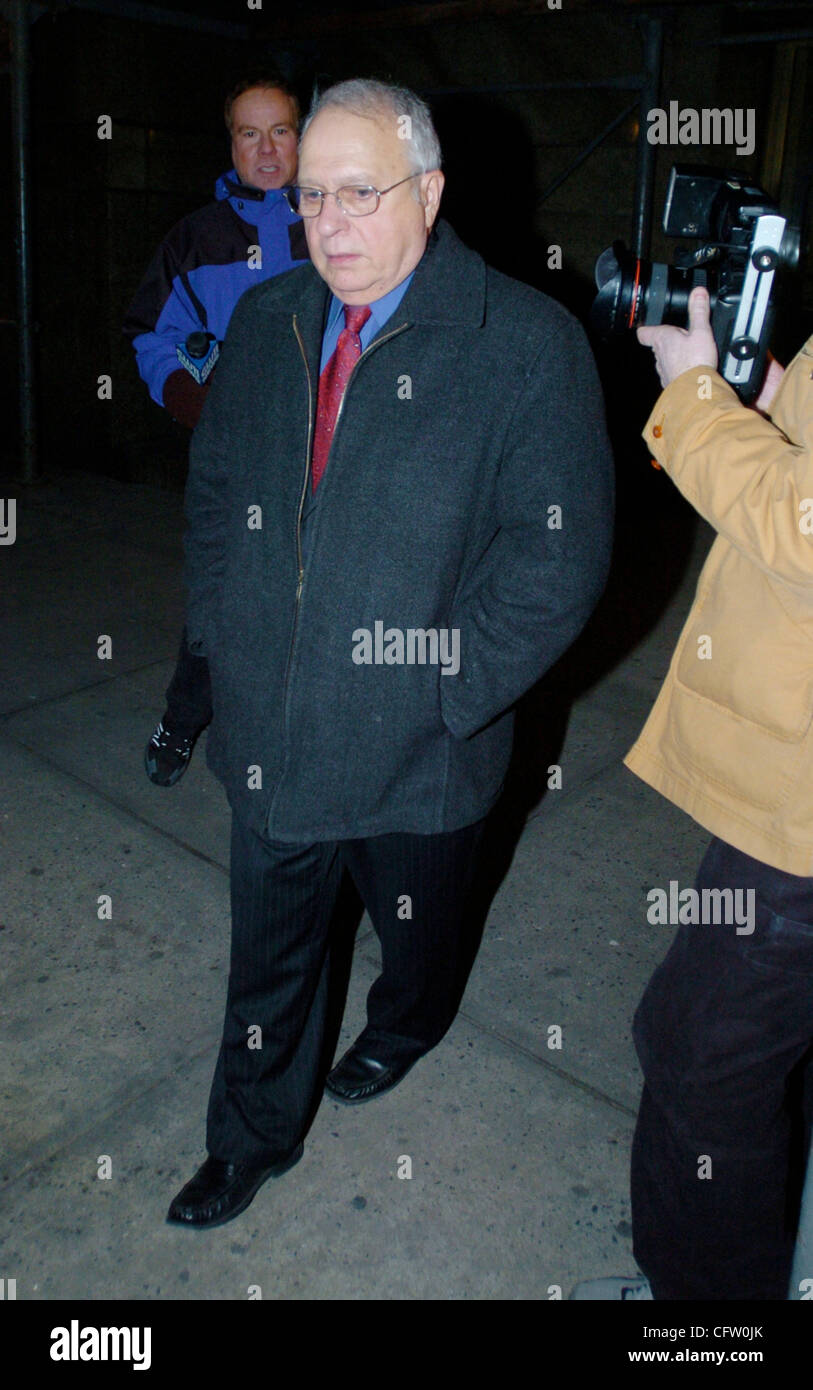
(8, 309)
(102, 206)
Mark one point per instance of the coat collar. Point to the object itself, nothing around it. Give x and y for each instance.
(261, 202)
(449, 285)
(448, 288)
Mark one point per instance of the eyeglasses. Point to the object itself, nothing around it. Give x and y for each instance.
(356, 199)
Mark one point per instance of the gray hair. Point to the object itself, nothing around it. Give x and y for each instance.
(364, 96)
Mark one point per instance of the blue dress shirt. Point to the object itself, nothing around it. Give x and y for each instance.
(380, 310)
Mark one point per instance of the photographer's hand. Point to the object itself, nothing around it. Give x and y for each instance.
(770, 385)
(677, 350)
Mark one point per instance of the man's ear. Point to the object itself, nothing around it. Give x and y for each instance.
(431, 190)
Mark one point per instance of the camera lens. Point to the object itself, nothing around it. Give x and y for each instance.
(632, 291)
(618, 278)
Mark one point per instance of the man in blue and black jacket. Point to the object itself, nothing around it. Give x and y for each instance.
(208, 260)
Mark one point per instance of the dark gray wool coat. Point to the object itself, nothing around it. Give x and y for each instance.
(469, 420)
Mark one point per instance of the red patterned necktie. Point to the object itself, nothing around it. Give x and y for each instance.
(332, 382)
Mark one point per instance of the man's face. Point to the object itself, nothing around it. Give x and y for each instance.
(363, 258)
(263, 138)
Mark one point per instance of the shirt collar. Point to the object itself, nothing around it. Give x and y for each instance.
(380, 309)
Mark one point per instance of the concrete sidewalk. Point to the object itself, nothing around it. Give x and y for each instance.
(519, 1151)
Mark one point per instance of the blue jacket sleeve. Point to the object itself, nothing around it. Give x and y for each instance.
(160, 317)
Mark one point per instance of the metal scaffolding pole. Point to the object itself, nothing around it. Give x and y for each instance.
(645, 162)
(18, 15)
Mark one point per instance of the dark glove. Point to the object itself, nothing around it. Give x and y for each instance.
(184, 398)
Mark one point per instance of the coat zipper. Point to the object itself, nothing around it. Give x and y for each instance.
(300, 571)
(307, 463)
(299, 568)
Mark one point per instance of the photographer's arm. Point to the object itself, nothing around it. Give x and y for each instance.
(748, 476)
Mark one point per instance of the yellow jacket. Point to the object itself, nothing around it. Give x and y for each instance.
(730, 738)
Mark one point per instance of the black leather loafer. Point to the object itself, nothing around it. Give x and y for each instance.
(220, 1191)
(359, 1077)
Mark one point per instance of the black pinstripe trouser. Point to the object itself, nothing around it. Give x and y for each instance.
(283, 898)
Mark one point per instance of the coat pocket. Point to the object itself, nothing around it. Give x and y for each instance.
(741, 650)
(745, 670)
(739, 757)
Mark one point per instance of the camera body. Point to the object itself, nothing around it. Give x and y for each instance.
(744, 239)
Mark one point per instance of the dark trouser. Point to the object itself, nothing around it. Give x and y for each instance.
(283, 897)
(723, 1023)
(189, 693)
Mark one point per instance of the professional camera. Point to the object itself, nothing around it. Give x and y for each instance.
(744, 239)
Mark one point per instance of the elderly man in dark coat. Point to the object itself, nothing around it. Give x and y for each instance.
(398, 520)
